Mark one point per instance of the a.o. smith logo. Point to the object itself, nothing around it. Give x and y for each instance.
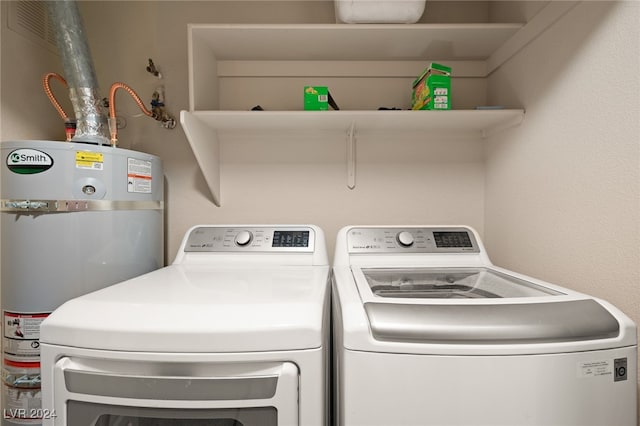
(27, 161)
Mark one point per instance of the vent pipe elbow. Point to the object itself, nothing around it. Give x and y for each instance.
(91, 116)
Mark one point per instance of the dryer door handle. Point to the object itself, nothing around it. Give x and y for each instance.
(170, 388)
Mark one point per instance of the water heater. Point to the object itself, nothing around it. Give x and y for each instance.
(75, 218)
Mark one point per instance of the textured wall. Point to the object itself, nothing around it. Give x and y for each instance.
(563, 189)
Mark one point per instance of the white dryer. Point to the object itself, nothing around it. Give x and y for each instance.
(428, 332)
(234, 332)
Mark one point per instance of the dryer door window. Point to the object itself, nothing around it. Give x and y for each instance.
(85, 413)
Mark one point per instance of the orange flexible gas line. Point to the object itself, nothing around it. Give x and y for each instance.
(113, 129)
(47, 89)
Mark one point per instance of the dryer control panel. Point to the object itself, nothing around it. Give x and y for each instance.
(250, 239)
(412, 240)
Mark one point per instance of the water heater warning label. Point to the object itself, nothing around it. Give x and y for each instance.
(89, 160)
(22, 334)
(139, 176)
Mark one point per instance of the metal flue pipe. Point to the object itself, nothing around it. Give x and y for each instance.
(91, 116)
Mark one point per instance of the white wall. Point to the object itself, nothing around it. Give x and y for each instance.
(26, 110)
(563, 190)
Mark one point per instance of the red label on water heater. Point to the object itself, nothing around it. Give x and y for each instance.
(22, 335)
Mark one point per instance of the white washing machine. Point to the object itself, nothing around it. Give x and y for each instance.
(234, 332)
(428, 332)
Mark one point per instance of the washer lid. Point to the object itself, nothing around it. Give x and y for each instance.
(475, 305)
(449, 283)
(199, 308)
(565, 321)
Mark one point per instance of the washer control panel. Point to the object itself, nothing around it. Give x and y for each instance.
(412, 240)
(250, 239)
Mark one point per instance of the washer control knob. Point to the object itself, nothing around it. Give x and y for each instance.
(405, 239)
(243, 238)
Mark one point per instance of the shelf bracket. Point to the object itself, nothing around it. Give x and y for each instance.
(206, 149)
(351, 156)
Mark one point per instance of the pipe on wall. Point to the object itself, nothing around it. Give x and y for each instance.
(91, 116)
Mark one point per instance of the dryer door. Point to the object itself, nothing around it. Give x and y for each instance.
(92, 392)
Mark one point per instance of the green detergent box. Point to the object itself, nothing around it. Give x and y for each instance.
(316, 98)
(432, 89)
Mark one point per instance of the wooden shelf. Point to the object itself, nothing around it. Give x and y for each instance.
(203, 129)
(334, 50)
(362, 42)
(236, 51)
(479, 123)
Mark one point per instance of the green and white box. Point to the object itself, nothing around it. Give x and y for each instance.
(432, 89)
(316, 98)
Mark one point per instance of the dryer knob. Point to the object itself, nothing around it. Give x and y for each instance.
(243, 238)
(405, 238)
